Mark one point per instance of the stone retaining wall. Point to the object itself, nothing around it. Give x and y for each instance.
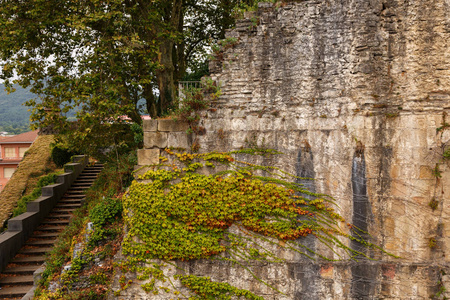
(356, 94)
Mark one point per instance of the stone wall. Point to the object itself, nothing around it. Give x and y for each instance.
(358, 85)
(355, 93)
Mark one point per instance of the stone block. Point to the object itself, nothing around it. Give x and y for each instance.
(155, 139)
(179, 140)
(171, 125)
(148, 157)
(150, 125)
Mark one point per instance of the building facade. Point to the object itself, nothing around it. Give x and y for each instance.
(12, 150)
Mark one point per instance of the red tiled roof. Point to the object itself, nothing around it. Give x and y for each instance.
(27, 137)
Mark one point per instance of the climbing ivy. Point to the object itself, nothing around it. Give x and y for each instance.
(206, 289)
(178, 212)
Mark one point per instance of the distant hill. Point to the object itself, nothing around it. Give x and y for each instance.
(14, 117)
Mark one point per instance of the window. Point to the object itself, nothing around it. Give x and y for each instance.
(10, 152)
(7, 172)
(22, 151)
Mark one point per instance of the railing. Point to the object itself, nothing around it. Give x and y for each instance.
(186, 85)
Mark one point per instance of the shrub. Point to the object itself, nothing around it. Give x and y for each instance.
(61, 155)
(106, 212)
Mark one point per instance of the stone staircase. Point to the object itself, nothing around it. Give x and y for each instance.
(17, 279)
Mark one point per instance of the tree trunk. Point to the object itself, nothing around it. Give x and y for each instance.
(165, 76)
(150, 101)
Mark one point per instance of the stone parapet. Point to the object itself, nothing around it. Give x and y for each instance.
(161, 134)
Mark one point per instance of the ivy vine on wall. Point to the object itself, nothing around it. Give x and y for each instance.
(183, 210)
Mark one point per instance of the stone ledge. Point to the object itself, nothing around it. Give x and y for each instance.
(150, 125)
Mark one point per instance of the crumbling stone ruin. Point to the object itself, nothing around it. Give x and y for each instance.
(356, 93)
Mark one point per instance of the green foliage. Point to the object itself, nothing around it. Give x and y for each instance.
(36, 193)
(432, 243)
(105, 212)
(101, 60)
(443, 127)
(196, 100)
(206, 289)
(104, 141)
(446, 154)
(392, 115)
(138, 135)
(61, 155)
(249, 5)
(223, 45)
(197, 72)
(103, 207)
(433, 204)
(437, 172)
(177, 213)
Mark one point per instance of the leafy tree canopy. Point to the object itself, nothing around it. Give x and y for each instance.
(101, 57)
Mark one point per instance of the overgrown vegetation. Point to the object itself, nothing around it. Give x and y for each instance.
(195, 100)
(61, 155)
(91, 269)
(43, 181)
(178, 213)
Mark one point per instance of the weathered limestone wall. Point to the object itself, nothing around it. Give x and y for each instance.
(354, 93)
(351, 82)
(343, 78)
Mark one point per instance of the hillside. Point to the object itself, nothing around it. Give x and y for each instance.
(14, 116)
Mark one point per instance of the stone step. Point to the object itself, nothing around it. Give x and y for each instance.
(45, 235)
(35, 259)
(36, 250)
(82, 184)
(14, 292)
(64, 210)
(59, 216)
(89, 174)
(53, 221)
(94, 167)
(70, 202)
(73, 197)
(88, 177)
(69, 205)
(50, 228)
(21, 269)
(82, 179)
(19, 280)
(70, 194)
(79, 188)
(41, 242)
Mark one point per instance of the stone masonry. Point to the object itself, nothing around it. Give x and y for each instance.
(357, 94)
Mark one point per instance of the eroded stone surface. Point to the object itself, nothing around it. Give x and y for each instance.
(343, 76)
